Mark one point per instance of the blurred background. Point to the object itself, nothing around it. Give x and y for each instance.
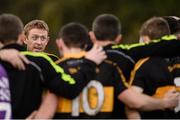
(132, 13)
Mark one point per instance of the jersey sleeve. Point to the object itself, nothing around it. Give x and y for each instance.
(124, 62)
(120, 83)
(167, 46)
(123, 66)
(138, 76)
(162, 49)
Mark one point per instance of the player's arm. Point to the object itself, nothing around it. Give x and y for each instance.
(165, 47)
(140, 101)
(162, 49)
(70, 86)
(134, 98)
(48, 107)
(14, 58)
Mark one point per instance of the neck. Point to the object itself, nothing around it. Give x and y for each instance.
(72, 50)
(9, 42)
(105, 43)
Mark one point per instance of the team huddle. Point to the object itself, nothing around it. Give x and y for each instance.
(94, 75)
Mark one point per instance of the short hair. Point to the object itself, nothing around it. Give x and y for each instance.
(106, 27)
(174, 24)
(11, 27)
(155, 28)
(74, 35)
(39, 24)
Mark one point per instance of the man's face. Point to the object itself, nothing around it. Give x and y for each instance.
(36, 40)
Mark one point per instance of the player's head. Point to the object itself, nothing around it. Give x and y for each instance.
(36, 32)
(106, 27)
(154, 28)
(35, 24)
(11, 27)
(74, 35)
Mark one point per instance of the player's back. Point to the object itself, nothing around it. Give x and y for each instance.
(99, 99)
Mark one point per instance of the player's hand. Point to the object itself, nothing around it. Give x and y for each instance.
(96, 54)
(14, 58)
(171, 99)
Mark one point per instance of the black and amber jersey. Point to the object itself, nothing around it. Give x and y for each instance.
(99, 99)
(27, 86)
(153, 76)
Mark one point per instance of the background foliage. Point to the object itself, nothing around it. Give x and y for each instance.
(132, 13)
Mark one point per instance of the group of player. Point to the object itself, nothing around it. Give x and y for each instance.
(94, 75)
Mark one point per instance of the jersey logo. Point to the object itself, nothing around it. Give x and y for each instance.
(73, 70)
